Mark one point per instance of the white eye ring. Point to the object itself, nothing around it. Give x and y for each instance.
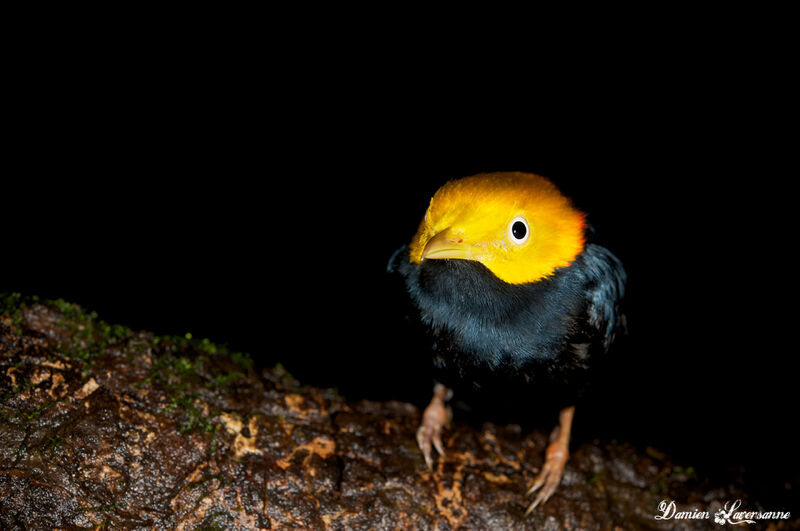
(518, 230)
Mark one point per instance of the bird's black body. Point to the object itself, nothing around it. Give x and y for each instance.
(544, 337)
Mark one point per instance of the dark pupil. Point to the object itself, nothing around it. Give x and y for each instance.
(518, 230)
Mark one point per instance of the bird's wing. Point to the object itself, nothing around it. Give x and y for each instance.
(605, 288)
(391, 266)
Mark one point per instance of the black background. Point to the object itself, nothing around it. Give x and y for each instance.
(259, 210)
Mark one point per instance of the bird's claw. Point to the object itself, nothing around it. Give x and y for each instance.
(427, 435)
(435, 416)
(548, 479)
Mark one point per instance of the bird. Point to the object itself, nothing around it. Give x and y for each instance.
(513, 295)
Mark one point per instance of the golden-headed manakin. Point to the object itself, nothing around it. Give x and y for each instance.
(501, 274)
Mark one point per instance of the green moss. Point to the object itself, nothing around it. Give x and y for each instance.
(114, 331)
(53, 444)
(11, 305)
(226, 378)
(680, 473)
(89, 335)
(191, 416)
(180, 363)
(197, 420)
(184, 366)
(208, 347)
(71, 310)
(280, 368)
(242, 360)
(208, 523)
(36, 413)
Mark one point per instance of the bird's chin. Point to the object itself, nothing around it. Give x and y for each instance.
(457, 269)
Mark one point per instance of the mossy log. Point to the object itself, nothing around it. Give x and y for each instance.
(105, 427)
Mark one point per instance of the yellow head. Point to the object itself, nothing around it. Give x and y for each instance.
(516, 224)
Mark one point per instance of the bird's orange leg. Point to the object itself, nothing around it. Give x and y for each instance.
(435, 416)
(555, 459)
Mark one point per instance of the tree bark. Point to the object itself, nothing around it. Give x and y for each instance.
(105, 427)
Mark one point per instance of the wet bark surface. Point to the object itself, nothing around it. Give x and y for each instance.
(105, 427)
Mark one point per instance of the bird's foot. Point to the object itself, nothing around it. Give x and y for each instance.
(555, 458)
(550, 476)
(435, 416)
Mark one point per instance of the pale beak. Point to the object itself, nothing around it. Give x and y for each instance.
(446, 245)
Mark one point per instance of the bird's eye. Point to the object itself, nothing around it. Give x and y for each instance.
(518, 230)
